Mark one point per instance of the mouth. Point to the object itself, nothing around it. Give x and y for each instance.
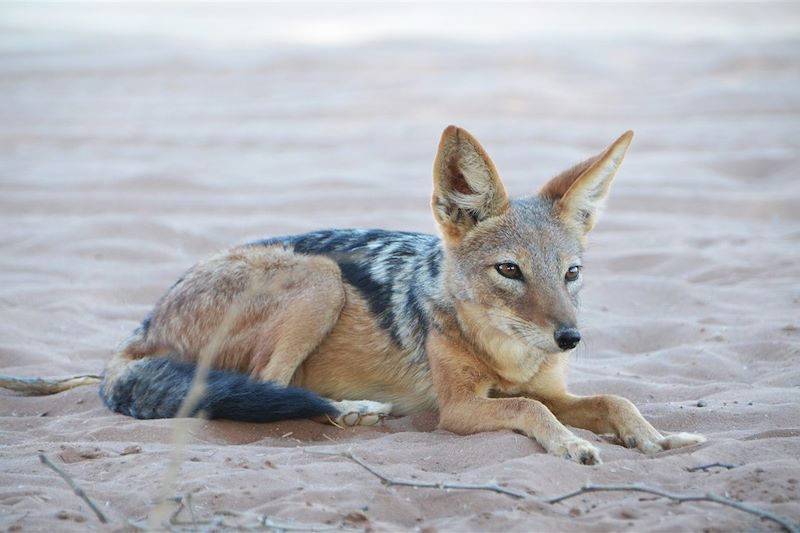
(485, 318)
(532, 337)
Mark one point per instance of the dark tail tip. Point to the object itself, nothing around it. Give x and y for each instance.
(156, 388)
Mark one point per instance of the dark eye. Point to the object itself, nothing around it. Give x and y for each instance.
(509, 270)
(572, 273)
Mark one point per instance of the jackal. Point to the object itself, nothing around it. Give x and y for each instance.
(357, 324)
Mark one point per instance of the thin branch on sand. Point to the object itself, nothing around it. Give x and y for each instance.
(188, 499)
(493, 486)
(490, 486)
(708, 497)
(75, 487)
(238, 521)
(705, 468)
(177, 511)
(213, 524)
(44, 387)
(266, 521)
(244, 522)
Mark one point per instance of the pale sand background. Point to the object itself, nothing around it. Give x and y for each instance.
(135, 140)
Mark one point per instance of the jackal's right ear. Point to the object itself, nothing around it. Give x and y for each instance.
(466, 186)
(579, 192)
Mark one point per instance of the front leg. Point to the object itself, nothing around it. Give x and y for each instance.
(616, 415)
(474, 414)
(462, 384)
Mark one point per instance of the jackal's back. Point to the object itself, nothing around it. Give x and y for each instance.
(397, 273)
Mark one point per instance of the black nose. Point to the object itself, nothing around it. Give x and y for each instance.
(567, 338)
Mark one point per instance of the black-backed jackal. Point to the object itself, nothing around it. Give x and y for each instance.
(356, 324)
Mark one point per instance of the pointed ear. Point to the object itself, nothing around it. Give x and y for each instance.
(466, 187)
(579, 192)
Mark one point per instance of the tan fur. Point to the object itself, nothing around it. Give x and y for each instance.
(492, 363)
(289, 289)
(359, 360)
(305, 328)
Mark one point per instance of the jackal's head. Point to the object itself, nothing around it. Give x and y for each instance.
(513, 267)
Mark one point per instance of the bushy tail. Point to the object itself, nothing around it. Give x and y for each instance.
(156, 387)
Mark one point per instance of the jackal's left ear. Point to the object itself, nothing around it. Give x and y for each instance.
(466, 186)
(579, 192)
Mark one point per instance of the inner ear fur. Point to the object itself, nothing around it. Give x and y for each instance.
(579, 192)
(466, 186)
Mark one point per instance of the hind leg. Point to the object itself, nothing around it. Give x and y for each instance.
(300, 336)
(309, 310)
(257, 310)
(295, 343)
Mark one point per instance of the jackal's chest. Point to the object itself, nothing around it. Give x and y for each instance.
(516, 363)
(548, 378)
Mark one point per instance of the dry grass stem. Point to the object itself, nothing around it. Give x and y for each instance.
(188, 499)
(334, 422)
(75, 488)
(183, 424)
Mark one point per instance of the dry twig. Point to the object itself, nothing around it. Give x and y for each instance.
(211, 526)
(708, 497)
(493, 486)
(490, 486)
(705, 468)
(43, 387)
(75, 487)
(188, 499)
(178, 509)
(283, 526)
(333, 422)
(248, 521)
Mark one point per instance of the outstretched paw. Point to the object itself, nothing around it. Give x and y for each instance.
(679, 440)
(360, 412)
(578, 450)
(670, 442)
(648, 445)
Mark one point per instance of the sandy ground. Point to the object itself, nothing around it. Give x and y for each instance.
(125, 157)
